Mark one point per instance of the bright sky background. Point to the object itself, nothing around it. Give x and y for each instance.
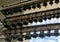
(53, 20)
(46, 39)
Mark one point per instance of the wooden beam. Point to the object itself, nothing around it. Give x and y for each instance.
(23, 3)
(33, 15)
(37, 28)
(41, 27)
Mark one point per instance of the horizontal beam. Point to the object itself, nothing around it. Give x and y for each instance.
(41, 27)
(22, 3)
(18, 4)
(35, 28)
(33, 15)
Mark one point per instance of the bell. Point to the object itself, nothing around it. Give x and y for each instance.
(30, 21)
(34, 35)
(7, 39)
(19, 39)
(20, 10)
(27, 37)
(45, 4)
(41, 35)
(29, 7)
(24, 7)
(10, 12)
(14, 37)
(38, 5)
(56, 1)
(51, 2)
(53, 15)
(49, 18)
(20, 24)
(57, 17)
(15, 10)
(7, 26)
(13, 25)
(35, 20)
(48, 34)
(5, 13)
(25, 23)
(45, 19)
(5, 21)
(33, 6)
(40, 20)
(56, 33)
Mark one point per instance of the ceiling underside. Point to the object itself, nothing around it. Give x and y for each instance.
(7, 2)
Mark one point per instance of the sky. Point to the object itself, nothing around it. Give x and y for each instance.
(53, 20)
(46, 39)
